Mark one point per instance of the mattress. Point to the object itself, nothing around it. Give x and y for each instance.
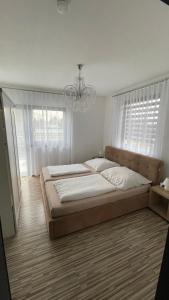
(58, 209)
(48, 177)
(69, 169)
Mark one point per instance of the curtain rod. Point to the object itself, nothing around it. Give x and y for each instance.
(140, 87)
(32, 90)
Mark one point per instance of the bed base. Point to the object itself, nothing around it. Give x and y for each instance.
(64, 225)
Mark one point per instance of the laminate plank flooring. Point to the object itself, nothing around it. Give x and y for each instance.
(118, 260)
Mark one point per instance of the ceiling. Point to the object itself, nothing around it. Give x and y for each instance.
(121, 43)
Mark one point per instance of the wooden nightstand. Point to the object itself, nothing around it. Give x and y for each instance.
(159, 201)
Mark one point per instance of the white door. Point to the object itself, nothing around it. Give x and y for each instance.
(16, 151)
(12, 153)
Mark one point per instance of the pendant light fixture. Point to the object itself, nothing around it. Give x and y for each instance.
(78, 95)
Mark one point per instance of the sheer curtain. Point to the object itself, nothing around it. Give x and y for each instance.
(44, 127)
(138, 119)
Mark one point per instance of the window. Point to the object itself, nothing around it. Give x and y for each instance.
(40, 131)
(48, 125)
(139, 124)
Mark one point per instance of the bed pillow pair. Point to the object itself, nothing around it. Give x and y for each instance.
(101, 164)
(123, 178)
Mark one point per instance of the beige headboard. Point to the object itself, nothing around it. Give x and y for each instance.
(147, 166)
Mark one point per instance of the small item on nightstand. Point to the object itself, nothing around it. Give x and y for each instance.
(165, 184)
(99, 155)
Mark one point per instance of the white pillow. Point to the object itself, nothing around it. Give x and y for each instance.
(101, 164)
(123, 178)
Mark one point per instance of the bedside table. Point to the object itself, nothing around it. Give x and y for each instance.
(159, 201)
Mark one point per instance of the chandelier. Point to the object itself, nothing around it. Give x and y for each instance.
(80, 96)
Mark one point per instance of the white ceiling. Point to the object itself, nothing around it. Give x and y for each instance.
(121, 42)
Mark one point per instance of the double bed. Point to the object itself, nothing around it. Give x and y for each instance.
(67, 217)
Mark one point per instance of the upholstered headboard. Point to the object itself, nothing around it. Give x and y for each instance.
(147, 166)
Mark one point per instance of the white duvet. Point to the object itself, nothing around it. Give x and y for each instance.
(77, 188)
(67, 169)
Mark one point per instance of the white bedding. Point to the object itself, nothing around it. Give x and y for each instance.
(82, 187)
(67, 169)
(123, 178)
(101, 164)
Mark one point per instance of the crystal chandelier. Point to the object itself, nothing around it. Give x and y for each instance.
(79, 96)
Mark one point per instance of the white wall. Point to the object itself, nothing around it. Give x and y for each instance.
(89, 131)
(107, 139)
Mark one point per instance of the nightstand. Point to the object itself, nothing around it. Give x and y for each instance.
(159, 201)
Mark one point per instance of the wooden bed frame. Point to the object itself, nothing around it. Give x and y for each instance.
(147, 166)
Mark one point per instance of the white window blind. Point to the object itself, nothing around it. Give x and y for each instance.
(137, 120)
(139, 125)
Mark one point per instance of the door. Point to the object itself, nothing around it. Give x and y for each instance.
(16, 151)
(11, 149)
(6, 193)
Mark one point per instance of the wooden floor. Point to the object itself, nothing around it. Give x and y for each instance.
(116, 260)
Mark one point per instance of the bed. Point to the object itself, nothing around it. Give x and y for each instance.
(70, 217)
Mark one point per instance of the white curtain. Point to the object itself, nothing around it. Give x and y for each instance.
(138, 119)
(44, 127)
